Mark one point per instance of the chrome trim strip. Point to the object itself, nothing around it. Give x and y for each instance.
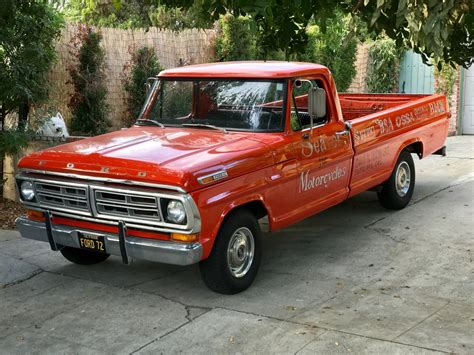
(221, 174)
(168, 252)
(102, 179)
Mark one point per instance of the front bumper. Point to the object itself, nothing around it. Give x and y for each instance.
(167, 252)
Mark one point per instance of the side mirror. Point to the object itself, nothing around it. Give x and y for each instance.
(148, 85)
(316, 102)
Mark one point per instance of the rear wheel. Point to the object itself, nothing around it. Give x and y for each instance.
(83, 257)
(235, 257)
(397, 191)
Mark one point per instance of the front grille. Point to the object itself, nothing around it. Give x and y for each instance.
(58, 196)
(96, 202)
(127, 204)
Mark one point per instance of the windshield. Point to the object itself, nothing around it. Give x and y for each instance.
(242, 105)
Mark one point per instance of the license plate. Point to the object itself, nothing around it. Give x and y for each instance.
(92, 242)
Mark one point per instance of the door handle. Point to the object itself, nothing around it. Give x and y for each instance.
(342, 133)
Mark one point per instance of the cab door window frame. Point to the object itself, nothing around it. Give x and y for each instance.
(320, 81)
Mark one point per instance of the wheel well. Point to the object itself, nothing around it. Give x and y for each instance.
(416, 147)
(256, 207)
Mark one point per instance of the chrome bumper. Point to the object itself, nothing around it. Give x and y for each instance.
(139, 248)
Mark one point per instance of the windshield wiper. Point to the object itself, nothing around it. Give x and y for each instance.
(146, 122)
(202, 125)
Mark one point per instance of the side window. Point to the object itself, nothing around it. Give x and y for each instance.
(299, 116)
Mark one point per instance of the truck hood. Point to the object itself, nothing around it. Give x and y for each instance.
(172, 156)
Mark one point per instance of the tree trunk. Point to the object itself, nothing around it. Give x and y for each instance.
(3, 113)
(23, 111)
(2, 155)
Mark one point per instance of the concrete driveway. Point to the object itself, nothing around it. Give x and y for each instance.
(356, 278)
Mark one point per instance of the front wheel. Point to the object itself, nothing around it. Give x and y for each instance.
(397, 191)
(83, 257)
(235, 257)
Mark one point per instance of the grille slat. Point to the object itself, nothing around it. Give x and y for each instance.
(118, 204)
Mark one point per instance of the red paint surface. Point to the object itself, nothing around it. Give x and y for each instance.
(267, 167)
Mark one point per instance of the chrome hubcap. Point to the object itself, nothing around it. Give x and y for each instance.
(402, 179)
(240, 252)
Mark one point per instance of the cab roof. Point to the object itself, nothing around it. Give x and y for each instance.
(247, 69)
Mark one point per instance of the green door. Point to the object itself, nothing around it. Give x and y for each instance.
(415, 77)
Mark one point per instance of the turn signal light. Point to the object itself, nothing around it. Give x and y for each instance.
(35, 215)
(184, 237)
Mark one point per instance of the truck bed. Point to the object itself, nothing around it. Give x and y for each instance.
(382, 124)
(358, 105)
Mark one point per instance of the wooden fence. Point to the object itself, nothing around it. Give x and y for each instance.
(173, 49)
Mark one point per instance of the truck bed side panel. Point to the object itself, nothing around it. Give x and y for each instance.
(379, 138)
(358, 105)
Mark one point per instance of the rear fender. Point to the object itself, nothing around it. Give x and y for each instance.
(414, 145)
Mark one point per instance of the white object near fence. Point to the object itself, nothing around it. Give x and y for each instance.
(54, 127)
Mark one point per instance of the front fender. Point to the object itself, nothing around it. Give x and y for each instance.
(217, 201)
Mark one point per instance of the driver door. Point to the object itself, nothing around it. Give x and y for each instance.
(323, 150)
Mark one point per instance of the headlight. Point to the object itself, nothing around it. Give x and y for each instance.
(176, 212)
(26, 190)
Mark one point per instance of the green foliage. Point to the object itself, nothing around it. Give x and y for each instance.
(434, 28)
(234, 39)
(121, 14)
(13, 142)
(329, 49)
(144, 64)
(177, 18)
(384, 58)
(135, 14)
(88, 103)
(445, 77)
(27, 33)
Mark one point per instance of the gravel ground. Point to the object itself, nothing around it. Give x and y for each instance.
(10, 210)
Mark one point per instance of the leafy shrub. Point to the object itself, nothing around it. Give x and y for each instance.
(88, 103)
(384, 66)
(13, 142)
(137, 14)
(445, 78)
(328, 48)
(144, 64)
(177, 18)
(121, 14)
(234, 39)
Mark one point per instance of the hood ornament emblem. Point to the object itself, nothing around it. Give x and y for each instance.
(70, 165)
(104, 169)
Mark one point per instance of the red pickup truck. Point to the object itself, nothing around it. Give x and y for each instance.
(216, 148)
